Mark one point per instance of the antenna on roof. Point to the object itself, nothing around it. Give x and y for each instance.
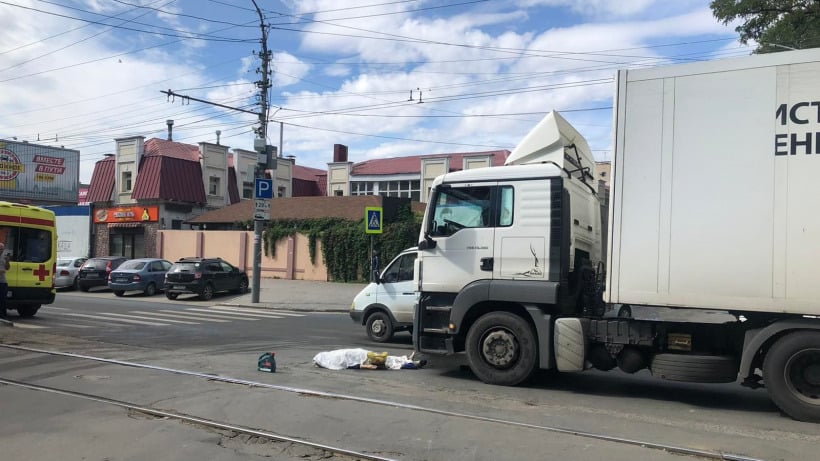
(170, 124)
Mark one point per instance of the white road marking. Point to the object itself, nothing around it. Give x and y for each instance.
(250, 310)
(239, 314)
(151, 318)
(184, 316)
(99, 317)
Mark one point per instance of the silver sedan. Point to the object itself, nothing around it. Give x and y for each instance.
(66, 274)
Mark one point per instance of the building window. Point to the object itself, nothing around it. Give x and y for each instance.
(361, 188)
(247, 189)
(281, 191)
(213, 185)
(338, 193)
(126, 181)
(176, 224)
(407, 189)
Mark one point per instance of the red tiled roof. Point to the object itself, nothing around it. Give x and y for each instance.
(307, 181)
(412, 164)
(156, 146)
(102, 181)
(321, 181)
(307, 173)
(169, 178)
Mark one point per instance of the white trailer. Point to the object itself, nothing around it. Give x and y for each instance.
(713, 210)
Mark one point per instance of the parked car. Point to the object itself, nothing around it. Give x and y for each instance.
(204, 277)
(386, 305)
(94, 272)
(143, 274)
(66, 274)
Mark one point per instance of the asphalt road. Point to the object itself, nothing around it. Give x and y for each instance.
(189, 334)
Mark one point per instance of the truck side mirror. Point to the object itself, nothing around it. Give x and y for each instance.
(427, 244)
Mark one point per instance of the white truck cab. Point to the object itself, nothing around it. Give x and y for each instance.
(386, 305)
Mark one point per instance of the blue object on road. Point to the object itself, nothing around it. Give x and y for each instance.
(267, 362)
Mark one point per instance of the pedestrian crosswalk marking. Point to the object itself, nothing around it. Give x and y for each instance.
(102, 317)
(28, 326)
(241, 314)
(151, 318)
(250, 310)
(190, 316)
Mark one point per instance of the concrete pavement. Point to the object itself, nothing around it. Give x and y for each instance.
(297, 295)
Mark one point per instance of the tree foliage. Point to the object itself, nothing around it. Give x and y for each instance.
(776, 25)
(345, 245)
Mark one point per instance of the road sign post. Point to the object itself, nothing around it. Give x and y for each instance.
(372, 225)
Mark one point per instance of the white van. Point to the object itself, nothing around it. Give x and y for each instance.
(386, 305)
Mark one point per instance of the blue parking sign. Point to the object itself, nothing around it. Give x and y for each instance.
(263, 188)
(373, 219)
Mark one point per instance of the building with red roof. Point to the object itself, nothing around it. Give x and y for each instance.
(153, 184)
(409, 176)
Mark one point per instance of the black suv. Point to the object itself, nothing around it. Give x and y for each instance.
(204, 276)
(94, 272)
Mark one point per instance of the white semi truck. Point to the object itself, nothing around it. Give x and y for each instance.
(713, 234)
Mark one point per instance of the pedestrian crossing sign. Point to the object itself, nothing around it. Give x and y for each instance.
(373, 219)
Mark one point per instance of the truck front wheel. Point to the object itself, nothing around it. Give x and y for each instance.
(501, 349)
(791, 372)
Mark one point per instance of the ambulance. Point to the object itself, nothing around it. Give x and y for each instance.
(30, 237)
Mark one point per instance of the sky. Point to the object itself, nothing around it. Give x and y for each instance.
(385, 78)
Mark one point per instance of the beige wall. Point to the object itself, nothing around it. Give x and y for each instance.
(128, 155)
(338, 178)
(292, 259)
(431, 168)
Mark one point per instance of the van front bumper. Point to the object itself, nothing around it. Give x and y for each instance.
(357, 316)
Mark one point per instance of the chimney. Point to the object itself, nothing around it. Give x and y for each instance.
(339, 153)
(292, 157)
(170, 124)
(218, 132)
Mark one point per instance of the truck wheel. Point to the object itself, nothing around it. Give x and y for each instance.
(791, 372)
(501, 349)
(691, 368)
(625, 312)
(27, 310)
(379, 327)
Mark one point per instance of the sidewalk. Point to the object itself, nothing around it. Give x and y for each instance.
(304, 295)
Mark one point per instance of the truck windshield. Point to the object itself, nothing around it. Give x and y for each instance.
(456, 208)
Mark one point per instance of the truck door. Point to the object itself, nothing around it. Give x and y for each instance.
(461, 223)
(522, 230)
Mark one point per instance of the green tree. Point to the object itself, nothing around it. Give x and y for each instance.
(776, 25)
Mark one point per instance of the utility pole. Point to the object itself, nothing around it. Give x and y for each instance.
(264, 159)
(260, 145)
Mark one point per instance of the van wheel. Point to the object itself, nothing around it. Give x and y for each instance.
(791, 371)
(27, 310)
(207, 292)
(501, 349)
(379, 327)
(118, 293)
(150, 290)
